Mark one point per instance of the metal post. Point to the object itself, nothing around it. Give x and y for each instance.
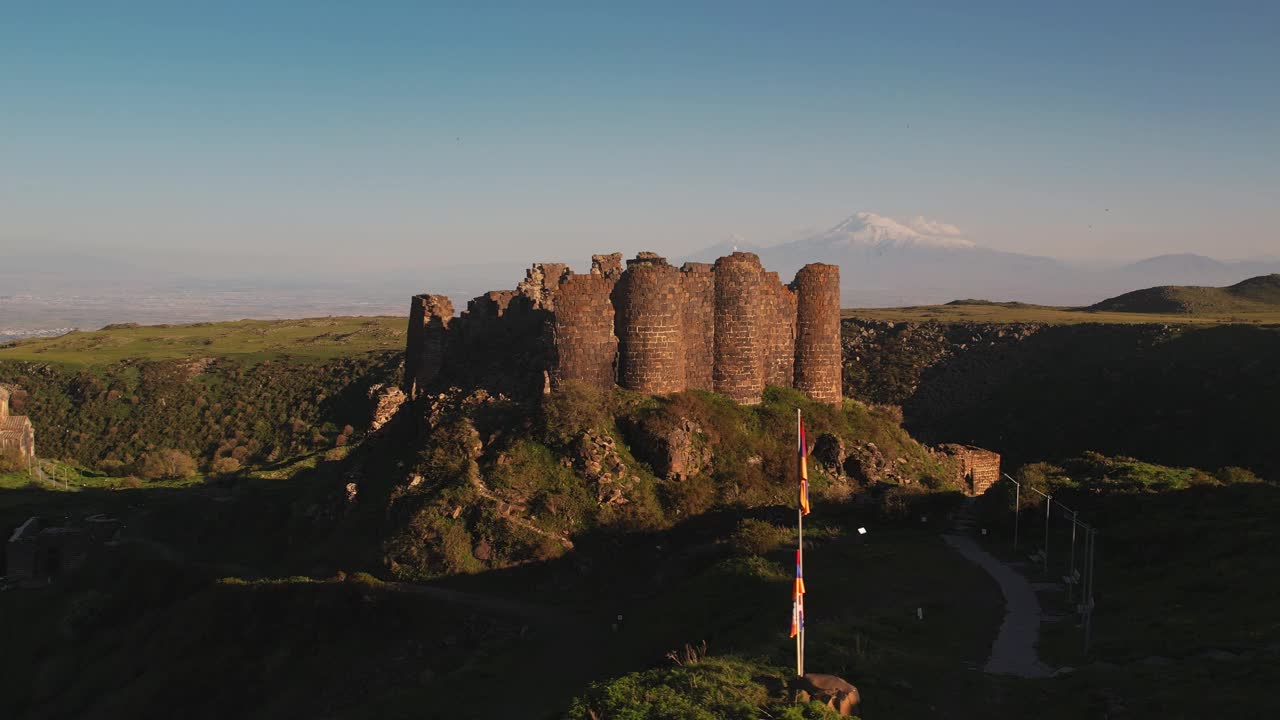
(1048, 503)
(1071, 570)
(1017, 510)
(1088, 596)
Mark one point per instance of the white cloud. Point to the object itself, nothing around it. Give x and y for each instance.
(933, 228)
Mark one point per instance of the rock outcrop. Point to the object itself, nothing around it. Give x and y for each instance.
(834, 692)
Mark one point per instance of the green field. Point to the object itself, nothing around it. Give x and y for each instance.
(307, 340)
(989, 312)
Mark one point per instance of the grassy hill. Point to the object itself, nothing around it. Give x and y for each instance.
(307, 340)
(1253, 301)
(254, 391)
(1256, 295)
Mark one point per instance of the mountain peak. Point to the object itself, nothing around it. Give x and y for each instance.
(870, 229)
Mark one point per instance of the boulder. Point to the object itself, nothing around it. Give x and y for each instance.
(834, 692)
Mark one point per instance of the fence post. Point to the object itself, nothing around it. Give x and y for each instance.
(1017, 510)
(1071, 570)
(1048, 504)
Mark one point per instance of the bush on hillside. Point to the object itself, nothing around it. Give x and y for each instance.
(224, 466)
(757, 537)
(11, 461)
(166, 464)
(717, 688)
(572, 409)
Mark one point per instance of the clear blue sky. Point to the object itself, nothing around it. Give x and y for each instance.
(469, 132)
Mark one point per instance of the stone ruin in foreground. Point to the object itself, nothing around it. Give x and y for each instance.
(730, 327)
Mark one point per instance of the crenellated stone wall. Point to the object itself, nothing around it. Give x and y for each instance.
(730, 327)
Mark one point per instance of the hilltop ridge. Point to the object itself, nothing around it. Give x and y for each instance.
(1255, 294)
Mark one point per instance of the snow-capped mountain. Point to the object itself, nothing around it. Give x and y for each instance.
(870, 229)
(888, 261)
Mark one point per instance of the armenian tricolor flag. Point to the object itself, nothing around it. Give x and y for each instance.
(804, 472)
(797, 600)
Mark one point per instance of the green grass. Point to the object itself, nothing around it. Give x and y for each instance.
(62, 476)
(988, 312)
(308, 340)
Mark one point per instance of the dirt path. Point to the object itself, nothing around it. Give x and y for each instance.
(1014, 651)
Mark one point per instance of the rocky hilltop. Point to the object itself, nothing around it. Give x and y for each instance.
(1177, 394)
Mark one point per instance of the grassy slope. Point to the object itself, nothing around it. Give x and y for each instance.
(1256, 295)
(311, 340)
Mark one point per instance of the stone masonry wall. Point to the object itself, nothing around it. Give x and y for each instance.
(652, 328)
(425, 346)
(649, 319)
(582, 333)
(818, 370)
(780, 354)
(739, 333)
(978, 469)
(699, 325)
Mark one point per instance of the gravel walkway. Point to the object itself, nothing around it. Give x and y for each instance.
(1014, 651)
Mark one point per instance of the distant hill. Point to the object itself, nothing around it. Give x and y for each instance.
(1253, 295)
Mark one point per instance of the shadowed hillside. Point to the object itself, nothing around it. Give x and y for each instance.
(1256, 294)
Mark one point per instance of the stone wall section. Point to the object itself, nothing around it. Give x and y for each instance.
(582, 331)
(818, 369)
(730, 327)
(649, 305)
(780, 326)
(699, 283)
(978, 469)
(610, 266)
(427, 341)
(740, 339)
(540, 283)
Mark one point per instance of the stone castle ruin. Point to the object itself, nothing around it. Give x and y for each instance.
(17, 436)
(730, 327)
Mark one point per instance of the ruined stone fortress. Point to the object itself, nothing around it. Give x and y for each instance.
(730, 327)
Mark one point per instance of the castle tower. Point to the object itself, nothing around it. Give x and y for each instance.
(649, 306)
(586, 348)
(739, 337)
(4, 402)
(818, 363)
(699, 325)
(425, 344)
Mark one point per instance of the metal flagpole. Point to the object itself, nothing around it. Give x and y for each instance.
(800, 554)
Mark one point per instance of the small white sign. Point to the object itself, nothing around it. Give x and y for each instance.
(862, 531)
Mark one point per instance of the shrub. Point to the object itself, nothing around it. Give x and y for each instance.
(166, 464)
(712, 689)
(1234, 475)
(11, 461)
(225, 466)
(757, 537)
(572, 409)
